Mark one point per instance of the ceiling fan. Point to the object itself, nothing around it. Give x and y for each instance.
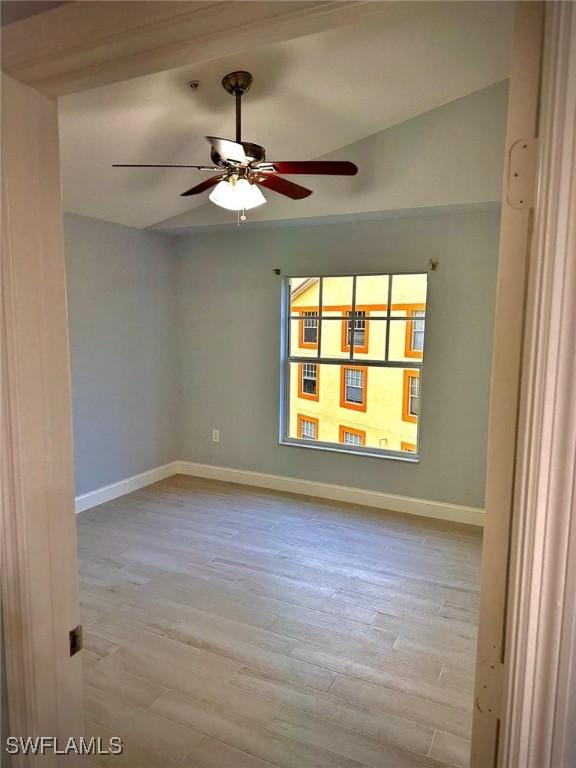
(242, 167)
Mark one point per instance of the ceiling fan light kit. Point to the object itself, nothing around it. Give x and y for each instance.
(236, 194)
(242, 167)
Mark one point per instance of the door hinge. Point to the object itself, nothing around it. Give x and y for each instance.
(521, 182)
(75, 636)
(489, 689)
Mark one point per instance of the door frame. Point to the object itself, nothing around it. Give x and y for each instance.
(516, 218)
(539, 706)
(539, 548)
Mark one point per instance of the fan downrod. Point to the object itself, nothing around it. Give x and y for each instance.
(237, 83)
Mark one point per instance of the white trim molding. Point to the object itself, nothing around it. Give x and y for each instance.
(408, 505)
(539, 723)
(122, 487)
(438, 510)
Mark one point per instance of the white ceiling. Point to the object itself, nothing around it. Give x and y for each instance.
(310, 97)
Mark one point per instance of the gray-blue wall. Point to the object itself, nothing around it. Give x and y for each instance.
(172, 337)
(229, 346)
(122, 317)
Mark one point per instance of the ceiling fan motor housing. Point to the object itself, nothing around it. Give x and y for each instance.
(254, 153)
(237, 83)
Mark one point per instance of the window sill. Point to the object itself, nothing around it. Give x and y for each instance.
(409, 458)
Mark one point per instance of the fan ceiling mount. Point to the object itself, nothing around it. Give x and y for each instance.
(242, 167)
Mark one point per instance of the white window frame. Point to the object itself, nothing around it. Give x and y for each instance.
(359, 325)
(313, 378)
(418, 327)
(309, 320)
(356, 439)
(414, 394)
(355, 374)
(314, 429)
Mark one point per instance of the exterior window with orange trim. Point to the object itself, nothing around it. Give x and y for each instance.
(407, 447)
(352, 436)
(357, 335)
(309, 381)
(308, 427)
(414, 343)
(411, 396)
(354, 387)
(308, 329)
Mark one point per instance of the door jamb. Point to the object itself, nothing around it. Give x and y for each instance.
(540, 683)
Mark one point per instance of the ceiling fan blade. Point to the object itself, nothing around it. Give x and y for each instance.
(317, 167)
(164, 165)
(227, 150)
(284, 187)
(203, 186)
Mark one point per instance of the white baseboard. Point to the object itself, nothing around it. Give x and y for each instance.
(406, 504)
(122, 487)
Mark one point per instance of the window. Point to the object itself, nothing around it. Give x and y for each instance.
(308, 381)
(415, 333)
(361, 337)
(352, 436)
(307, 427)
(353, 387)
(411, 396)
(309, 329)
(358, 336)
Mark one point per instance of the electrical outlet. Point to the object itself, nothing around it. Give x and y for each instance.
(215, 435)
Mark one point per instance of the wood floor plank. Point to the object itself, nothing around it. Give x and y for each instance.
(347, 743)
(408, 704)
(403, 732)
(239, 733)
(121, 684)
(133, 755)
(215, 754)
(234, 627)
(298, 670)
(450, 749)
(141, 725)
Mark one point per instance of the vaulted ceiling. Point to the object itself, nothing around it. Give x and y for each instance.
(312, 96)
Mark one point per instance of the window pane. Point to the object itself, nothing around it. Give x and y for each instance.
(336, 293)
(309, 378)
(409, 289)
(382, 425)
(406, 340)
(334, 336)
(351, 436)
(310, 327)
(417, 329)
(299, 347)
(414, 396)
(372, 294)
(356, 329)
(307, 429)
(304, 294)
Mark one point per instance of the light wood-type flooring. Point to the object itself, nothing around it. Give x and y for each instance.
(231, 627)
